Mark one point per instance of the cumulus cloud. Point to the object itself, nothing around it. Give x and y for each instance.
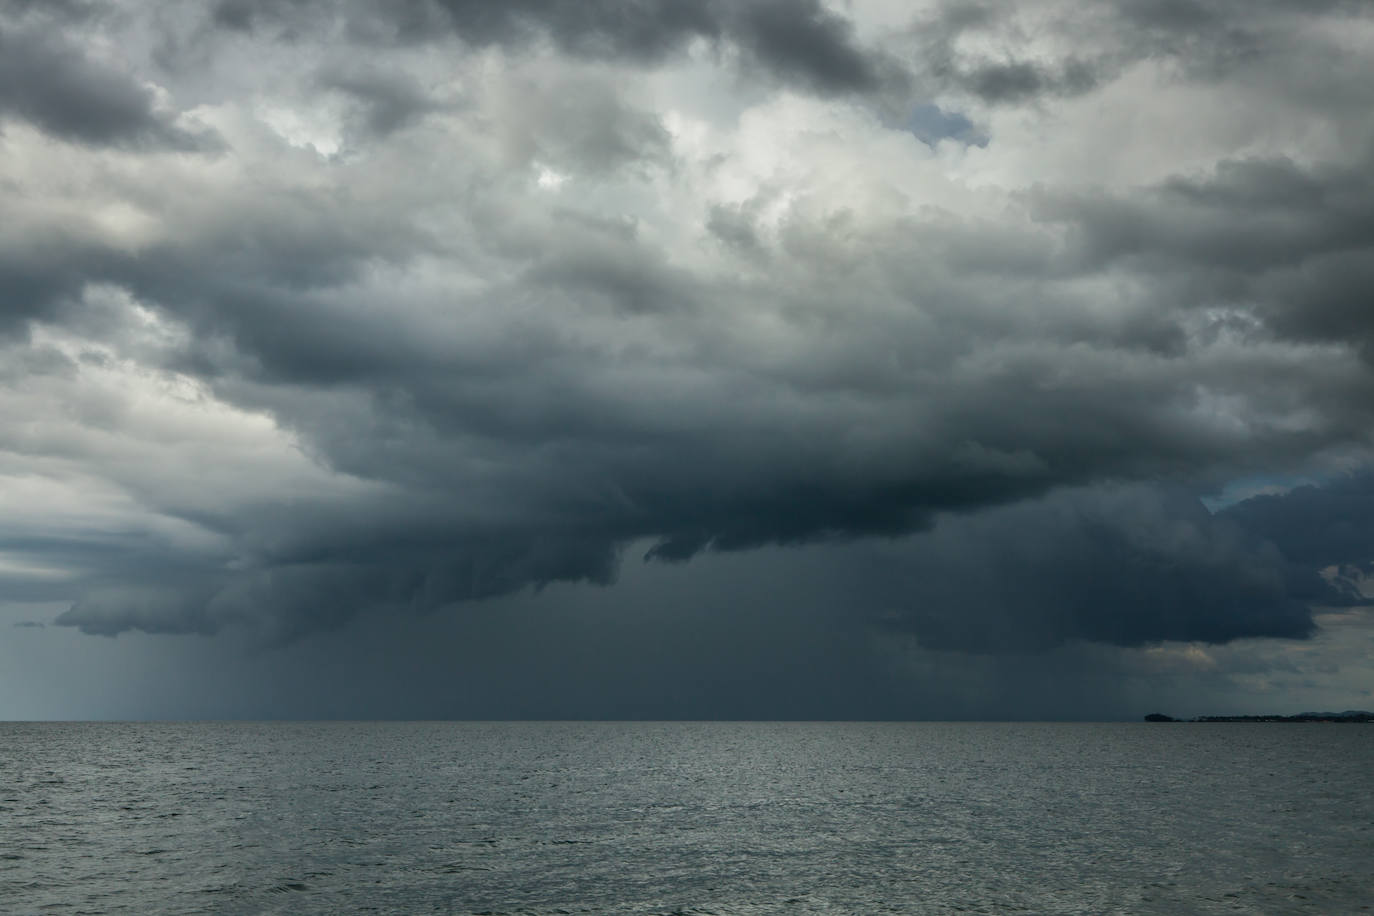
(539, 281)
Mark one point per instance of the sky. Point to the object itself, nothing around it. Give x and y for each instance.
(768, 359)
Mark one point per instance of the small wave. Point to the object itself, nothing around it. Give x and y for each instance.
(288, 887)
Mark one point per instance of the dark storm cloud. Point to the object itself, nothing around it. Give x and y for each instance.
(54, 85)
(321, 584)
(794, 40)
(1125, 566)
(584, 459)
(1327, 525)
(521, 381)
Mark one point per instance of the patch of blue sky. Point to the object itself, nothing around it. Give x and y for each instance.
(930, 124)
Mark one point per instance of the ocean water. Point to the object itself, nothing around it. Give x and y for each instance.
(686, 818)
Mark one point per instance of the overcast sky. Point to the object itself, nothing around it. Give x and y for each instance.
(686, 358)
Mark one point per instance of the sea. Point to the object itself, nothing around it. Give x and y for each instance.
(686, 818)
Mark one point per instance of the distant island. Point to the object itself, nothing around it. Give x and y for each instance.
(1350, 715)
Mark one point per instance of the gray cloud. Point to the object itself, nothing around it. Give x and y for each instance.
(804, 41)
(1218, 38)
(971, 47)
(795, 40)
(997, 80)
(580, 125)
(387, 101)
(57, 10)
(1290, 245)
(57, 87)
(1249, 215)
(560, 304)
(1016, 82)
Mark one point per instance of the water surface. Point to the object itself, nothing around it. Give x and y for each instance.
(689, 818)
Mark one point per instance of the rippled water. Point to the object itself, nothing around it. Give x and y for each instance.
(726, 818)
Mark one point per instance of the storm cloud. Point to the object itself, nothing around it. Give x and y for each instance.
(316, 313)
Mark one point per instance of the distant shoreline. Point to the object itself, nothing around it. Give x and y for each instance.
(1348, 716)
